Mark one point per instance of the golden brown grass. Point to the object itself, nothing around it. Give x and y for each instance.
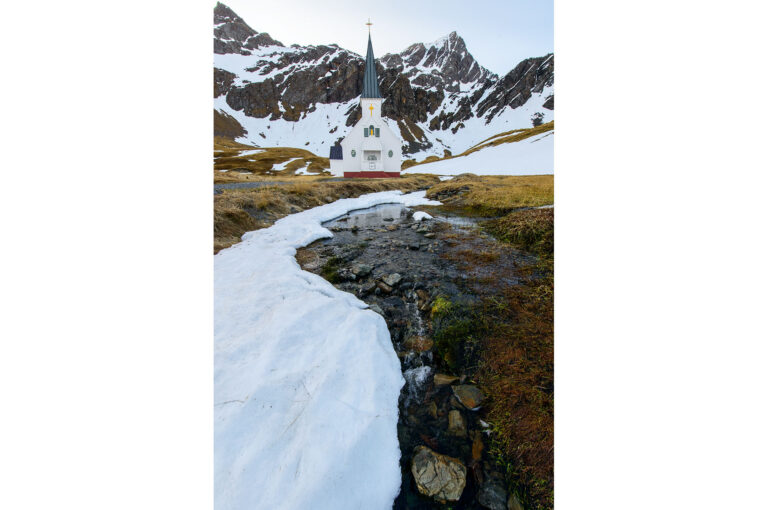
(238, 211)
(512, 136)
(530, 230)
(513, 347)
(229, 165)
(494, 195)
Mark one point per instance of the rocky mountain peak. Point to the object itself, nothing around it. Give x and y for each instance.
(233, 35)
(223, 14)
(447, 57)
(437, 94)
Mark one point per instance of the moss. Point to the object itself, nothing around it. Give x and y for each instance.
(456, 330)
(440, 306)
(330, 270)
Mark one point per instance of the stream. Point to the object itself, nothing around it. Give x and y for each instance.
(399, 267)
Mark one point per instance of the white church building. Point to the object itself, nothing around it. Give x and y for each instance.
(371, 149)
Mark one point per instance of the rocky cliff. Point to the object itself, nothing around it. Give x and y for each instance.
(437, 96)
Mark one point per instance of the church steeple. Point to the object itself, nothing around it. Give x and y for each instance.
(370, 80)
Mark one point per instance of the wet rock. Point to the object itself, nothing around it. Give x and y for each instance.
(361, 270)
(423, 294)
(293, 209)
(438, 476)
(376, 309)
(492, 495)
(414, 246)
(327, 199)
(429, 235)
(469, 396)
(392, 279)
(444, 379)
(367, 288)
(418, 343)
(384, 287)
(456, 424)
(513, 503)
(477, 446)
(391, 228)
(432, 409)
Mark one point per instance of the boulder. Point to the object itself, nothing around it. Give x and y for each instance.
(456, 425)
(438, 476)
(469, 396)
(492, 495)
(392, 279)
(384, 287)
(361, 270)
(391, 228)
(444, 379)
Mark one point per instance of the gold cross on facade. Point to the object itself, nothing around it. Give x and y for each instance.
(371, 108)
(369, 25)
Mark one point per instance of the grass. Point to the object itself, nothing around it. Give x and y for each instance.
(238, 211)
(505, 343)
(530, 230)
(229, 164)
(493, 195)
(512, 136)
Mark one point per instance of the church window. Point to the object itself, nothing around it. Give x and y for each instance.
(378, 133)
(371, 130)
(365, 132)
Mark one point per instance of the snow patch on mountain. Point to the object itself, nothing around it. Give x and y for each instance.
(531, 156)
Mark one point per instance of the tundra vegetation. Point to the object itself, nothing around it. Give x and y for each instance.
(503, 340)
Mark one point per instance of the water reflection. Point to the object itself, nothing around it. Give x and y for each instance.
(376, 216)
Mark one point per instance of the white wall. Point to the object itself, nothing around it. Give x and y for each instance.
(387, 141)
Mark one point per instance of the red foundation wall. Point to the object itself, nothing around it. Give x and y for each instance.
(371, 174)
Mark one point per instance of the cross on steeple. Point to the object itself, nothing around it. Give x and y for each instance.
(369, 25)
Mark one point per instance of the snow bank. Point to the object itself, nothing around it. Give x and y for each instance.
(421, 215)
(532, 156)
(306, 381)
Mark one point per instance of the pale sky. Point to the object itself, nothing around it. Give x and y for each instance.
(499, 34)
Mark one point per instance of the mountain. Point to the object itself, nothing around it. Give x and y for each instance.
(437, 96)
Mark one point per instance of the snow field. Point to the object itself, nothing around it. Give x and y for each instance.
(532, 156)
(306, 381)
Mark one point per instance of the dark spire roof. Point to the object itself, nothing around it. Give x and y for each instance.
(370, 81)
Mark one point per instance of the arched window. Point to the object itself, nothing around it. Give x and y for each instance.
(371, 128)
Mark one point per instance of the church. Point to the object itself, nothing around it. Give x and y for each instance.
(371, 149)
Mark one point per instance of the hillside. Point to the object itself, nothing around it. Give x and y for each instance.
(437, 96)
(517, 152)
